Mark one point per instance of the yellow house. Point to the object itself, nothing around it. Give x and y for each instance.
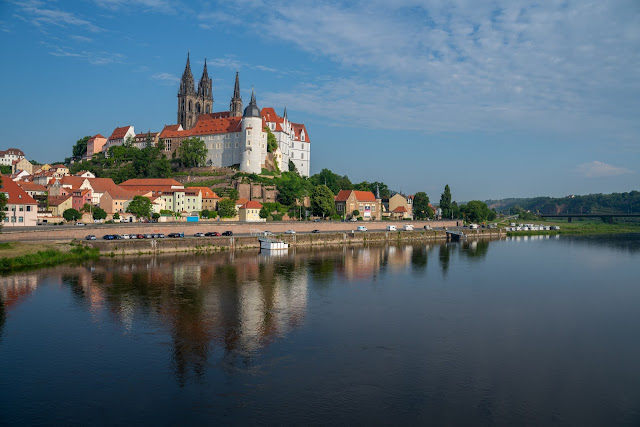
(400, 207)
(59, 204)
(22, 165)
(250, 211)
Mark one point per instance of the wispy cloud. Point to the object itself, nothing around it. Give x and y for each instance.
(95, 58)
(166, 78)
(230, 63)
(168, 7)
(35, 12)
(471, 64)
(598, 169)
(82, 39)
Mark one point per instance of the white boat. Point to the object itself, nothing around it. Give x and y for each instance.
(272, 244)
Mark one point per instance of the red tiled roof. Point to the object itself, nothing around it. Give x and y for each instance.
(241, 201)
(31, 186)
(58, 200)
(15, 194)
(361, 196)
(144, 134)
(100, 185)
(207, 193)
(73, 181)
(400, 209)
(297, 130)
(151, 182)
(251, 204)
(96, 136)
(206, 125)
(119, 133)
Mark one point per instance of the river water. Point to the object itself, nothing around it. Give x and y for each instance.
(529, 331)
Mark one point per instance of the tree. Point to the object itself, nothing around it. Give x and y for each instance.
(116, 215)
(292, 166)
(148, 142)
(227, 208)
(445, 202)
(99, 213)
(272, 142)
(204, 213)
(291, 188)
(332, 180)
(155, 216)
(322, 202)
(71, 215)
(80, 148)
(5, 170)
(87, 208)
(355, 213)
(192, 152)
(141, 207)
(477, 211)
(421, 208)
(264, 212)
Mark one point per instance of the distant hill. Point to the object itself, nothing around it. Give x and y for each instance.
(589, 204)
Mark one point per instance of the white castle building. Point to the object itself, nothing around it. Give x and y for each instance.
(235, 137)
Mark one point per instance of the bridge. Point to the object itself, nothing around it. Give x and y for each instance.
(590, 215)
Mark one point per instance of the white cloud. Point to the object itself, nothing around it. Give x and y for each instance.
(598, 169)
(95, 58)
(166, 78)
(466, 65)
(168, 7)
(40, 16)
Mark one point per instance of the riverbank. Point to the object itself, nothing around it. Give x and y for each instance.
(579, 228)
(18, 256)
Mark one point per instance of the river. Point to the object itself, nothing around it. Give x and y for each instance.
(523, 331)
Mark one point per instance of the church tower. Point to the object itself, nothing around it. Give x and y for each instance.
(191, 103)
(204, 103)
(235, 106)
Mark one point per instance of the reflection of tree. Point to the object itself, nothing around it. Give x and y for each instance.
(419, 258)
(322, 269)
(3, 315)
(444, 256)
(475, 250)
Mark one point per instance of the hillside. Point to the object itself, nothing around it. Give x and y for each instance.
(588, 204)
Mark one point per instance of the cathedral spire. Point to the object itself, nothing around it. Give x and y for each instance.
(187, 85)
(205, 90)
(235, 106)
(285, 112)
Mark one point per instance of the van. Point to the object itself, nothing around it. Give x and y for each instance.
(361, 228)
(473, 226)
(408, 227)
(391, 228)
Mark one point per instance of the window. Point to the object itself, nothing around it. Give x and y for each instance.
(20, 219)
(218, 145)
(249, 132)
(373, 208)
(13, 219)
(236, 144)
(302, 155)
(21, 208)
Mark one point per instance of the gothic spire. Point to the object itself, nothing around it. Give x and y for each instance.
(235, 106)
(285, 112)
(205, 86)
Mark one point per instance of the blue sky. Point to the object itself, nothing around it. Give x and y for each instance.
(495, 98)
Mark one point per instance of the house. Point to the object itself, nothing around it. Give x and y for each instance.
(22, 165)
(117, 199)
(398, 201)
(368, 207)
(85, 174)
(79, 198)
(59, 170)
(140, 139)
(250, 212)
(94, 146)
(119, 136)
(7, 157)
(59, 204)
(209, 198)
(21, 209)
(21, 175)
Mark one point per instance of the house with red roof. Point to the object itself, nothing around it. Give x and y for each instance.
(364, 202)
(21, 209)
(80, 197)
(250, 212)
(140, 140)
(119, 136)
(209, 198)
(400, 206)
(94, 146)
(7, 157)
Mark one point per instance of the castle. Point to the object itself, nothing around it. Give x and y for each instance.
(234, 136)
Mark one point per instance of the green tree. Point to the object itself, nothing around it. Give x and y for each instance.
(322, 202)
(116, 215)
(155, 216)
(192, 152)
(227, 208)
(291, 188)
(332, 180)
(148, 142)
(292, 166)
(5, 170)
(71, 215)
(99, 213)
(355, 213)
(421, 208)
(141, 207)
(87, 208)
(445, 202)
(264, 212)
(80, 148)
(477, 211)
(204, 213)
(272, 142)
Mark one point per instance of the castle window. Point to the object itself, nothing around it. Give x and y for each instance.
(236, 144)
(218, 145)
(302, 155)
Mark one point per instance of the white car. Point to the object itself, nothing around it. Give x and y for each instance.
(290, 232)
(361, 228)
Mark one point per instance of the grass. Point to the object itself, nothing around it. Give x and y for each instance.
(26, 256)
(577, 228)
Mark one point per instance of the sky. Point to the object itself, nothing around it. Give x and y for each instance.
(497, 99)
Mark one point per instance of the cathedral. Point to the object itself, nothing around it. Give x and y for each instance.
(235, 137)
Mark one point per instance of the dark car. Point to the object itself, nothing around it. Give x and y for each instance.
(90, 237)
(108, 237)
(315, 231)
(212, 234)
(175, 235)
(227, 233)
(118, 237)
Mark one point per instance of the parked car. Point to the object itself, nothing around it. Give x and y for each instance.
(148, 236)
(316, 231)
(108, 237)
(175, 235)
(133, 236)
(198, 235)
(79, 223)
(90, 237)
(161, 236)
(361, 228)
(227, 233)
(290, 232)
(212, 233)
(118, 237)
(140, 236)
(125, 236)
